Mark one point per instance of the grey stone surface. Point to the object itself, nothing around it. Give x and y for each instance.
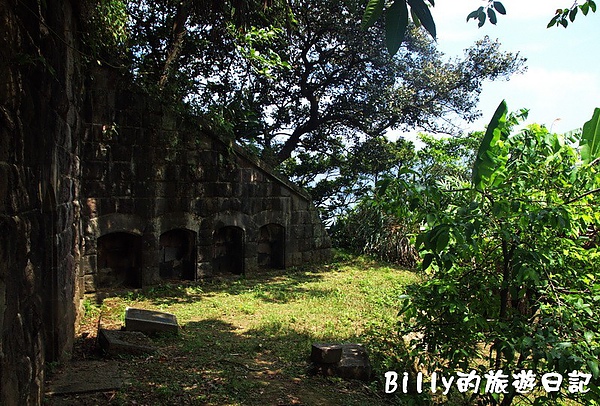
(85, 377)
(326, 353)
(354, 363)
(115, 342)
(150, 321)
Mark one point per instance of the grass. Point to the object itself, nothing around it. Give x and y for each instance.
(247, 341)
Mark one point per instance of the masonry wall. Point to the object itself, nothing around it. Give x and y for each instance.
(91, 170)
(147, 171)
(40, 97)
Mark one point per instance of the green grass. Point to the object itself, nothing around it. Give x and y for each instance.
(247, 341)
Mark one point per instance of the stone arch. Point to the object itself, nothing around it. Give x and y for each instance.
(177, 254)
(119, 260)
(181, 220)
(271, 246)
(229, 250)
(233, 219)
(119, 223)
(271, 216)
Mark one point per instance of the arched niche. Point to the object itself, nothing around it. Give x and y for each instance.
(271, 246)
(119, 261)
(228, 250)
(178, 254)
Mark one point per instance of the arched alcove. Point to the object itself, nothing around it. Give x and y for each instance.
(271, 246)
(228, 250)
(119, 261)
(178, 254)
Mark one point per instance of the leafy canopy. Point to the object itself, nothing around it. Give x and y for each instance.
(397, 16)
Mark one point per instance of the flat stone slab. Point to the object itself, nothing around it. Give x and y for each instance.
(150, 321)
(326, 353)
(354, 363)
(86, 377)
(114, 342)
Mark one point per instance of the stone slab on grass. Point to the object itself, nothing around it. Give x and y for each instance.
(354, 363)
(86, 377)
(114, 342)
(150, 321)
(326, 353)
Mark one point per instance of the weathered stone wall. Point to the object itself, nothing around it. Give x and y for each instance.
(148, 170)
(107, 175)
(40, 97)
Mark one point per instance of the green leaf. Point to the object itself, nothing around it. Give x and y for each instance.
(372, 13)
(415, 19)
(499, 7)
(585, 8)
(492, 16)
(443, 237)
(590, 138)
(474, 14)
(589, 336)
(594, 368)
(481, 19)
(422, 11)
(592, 5)
(484, 164)
(553, 21)
(427, 260)
(572, 14)
(396, 21)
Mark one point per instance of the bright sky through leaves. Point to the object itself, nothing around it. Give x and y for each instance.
(563, 78)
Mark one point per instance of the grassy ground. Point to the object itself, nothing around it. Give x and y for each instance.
(246, 341)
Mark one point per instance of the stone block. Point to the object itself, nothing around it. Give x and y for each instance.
(354, 363)
(326, 353)
(150, 321)
(88, 264)
(89, 285)
(116, 342)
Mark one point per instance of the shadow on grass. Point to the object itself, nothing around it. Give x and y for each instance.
(275, 286)
(213, 363)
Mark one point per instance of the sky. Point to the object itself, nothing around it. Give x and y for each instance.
(561, 86)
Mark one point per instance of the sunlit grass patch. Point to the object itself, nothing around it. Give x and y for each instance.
(243, 337)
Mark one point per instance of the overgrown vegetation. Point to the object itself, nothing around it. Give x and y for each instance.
(510, 267)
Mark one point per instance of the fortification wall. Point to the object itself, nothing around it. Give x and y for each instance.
(148, 171)
(40, 99)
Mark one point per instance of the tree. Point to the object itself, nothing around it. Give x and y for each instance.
(386, 217)
(342, 85)
(306, 93)
(509, 282)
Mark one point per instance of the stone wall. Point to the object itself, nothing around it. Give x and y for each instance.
(101, 186)
(40, 99)
(192, 204)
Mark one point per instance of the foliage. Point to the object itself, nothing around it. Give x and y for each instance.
(562, 17)
(508, 283)
(397, 16)
(105, 30)
(381, 226)
(368, 229)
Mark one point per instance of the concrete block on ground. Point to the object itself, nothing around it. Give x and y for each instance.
(326, 353)
(354, 363)
(150, 321)
(116, 342)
